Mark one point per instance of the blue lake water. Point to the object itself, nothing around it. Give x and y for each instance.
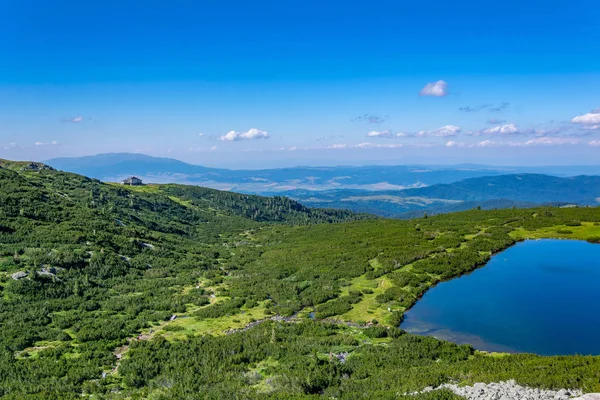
(539, 296)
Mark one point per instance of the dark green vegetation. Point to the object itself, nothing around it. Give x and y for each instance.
(161, 288)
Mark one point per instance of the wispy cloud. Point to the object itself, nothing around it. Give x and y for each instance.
(558, 131)
(548, 141)
(11, 145)
(380, 134)
(543, 141)
(453, 143)
(366, 145)
(371, 118)
(233, 136)
(202, 149)
(74, 120)
(52, 143)
(590, 127)
(488, 107)
(379, 146)
(594, 143)
(495, 121)
(501, 107)
(475, 108)
(329, 137)
(437, 89)
(463, 145)
(201, 134)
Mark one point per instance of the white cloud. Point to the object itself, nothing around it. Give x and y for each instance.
(444, 131)
(437, 89)
(233, 136)
(201, 134)
(506, 129)
(594, 143)
(589, 119)
(404, 134)
(380, 134)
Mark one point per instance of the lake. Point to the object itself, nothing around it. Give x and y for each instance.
(539, 296)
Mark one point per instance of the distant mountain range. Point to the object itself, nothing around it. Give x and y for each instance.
(504, 191)
(117, 166)
(390, 191)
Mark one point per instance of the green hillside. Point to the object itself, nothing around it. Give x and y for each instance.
(175, 292)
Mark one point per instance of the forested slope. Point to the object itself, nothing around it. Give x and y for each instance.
(159, 292)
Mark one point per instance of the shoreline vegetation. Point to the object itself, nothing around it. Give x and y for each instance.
(147, 292)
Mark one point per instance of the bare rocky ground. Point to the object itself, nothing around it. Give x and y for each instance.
(510, 390)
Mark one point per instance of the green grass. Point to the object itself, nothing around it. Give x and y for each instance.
(213, 326)
(368, 308)
(586, 231)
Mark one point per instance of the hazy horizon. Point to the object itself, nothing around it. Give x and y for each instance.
(364, 164)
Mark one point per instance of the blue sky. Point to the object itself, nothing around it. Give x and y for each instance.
(279, 83)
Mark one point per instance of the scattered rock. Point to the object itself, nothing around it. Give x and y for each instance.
(19, 275)
(48, 271)
(340, 356)
(510, 390)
